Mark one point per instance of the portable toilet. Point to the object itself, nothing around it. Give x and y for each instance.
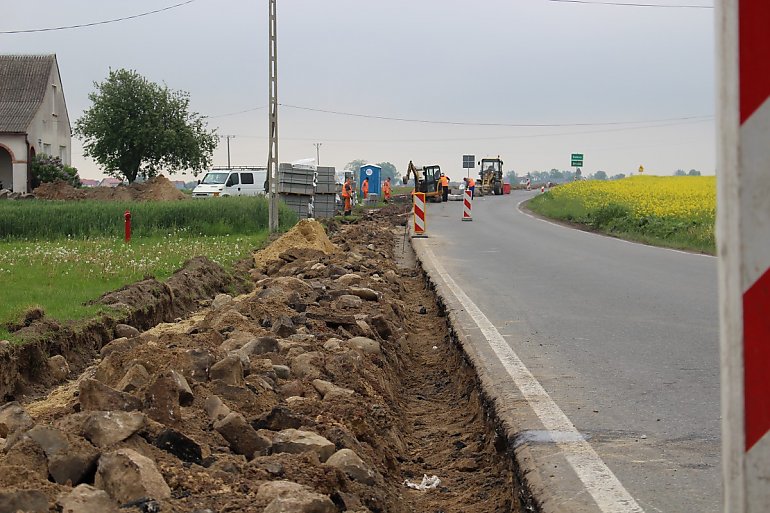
(371, 172)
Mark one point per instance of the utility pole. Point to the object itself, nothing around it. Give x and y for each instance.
(228, 137)
(272, 158)
(317, 153)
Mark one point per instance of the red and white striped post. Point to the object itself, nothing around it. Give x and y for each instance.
(743, 236)
(418, 209)
(467, 206)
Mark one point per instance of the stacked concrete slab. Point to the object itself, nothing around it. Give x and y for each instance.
(296, 185)
(325, 199)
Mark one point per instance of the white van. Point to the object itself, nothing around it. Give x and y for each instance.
(235, 181)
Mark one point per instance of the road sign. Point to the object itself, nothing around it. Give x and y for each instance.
(743, 229)
(469, 161)
(641, 169)
(577, 160)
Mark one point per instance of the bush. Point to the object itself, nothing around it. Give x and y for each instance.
(46, 168)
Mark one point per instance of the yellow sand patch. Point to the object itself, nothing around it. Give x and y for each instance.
(306, 234)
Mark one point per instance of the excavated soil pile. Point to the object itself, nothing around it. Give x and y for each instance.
(158, 188)
(305, 235)
(320, 392)
(23, 368)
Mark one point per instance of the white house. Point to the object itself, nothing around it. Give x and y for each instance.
(33, 116)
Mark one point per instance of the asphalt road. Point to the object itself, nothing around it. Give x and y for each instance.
(623, 337)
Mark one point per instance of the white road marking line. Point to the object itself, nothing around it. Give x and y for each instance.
(518, 207)
(599, 480)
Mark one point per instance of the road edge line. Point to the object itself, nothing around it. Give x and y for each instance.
(540, 491)
(606, 236)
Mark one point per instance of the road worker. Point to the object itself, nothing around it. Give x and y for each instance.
(444, 183)
(347, 193)
(365, 189)
(386, 190)
(470, 183)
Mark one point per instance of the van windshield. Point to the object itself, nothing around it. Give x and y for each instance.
(215, 178)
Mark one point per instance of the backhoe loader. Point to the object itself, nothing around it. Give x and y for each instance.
(426, 179)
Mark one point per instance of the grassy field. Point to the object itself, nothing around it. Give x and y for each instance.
(676, 212)
(60, 255)
(50, 220)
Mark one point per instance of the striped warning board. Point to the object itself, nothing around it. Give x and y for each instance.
(743, 229)
(467, 205)
(418, 208)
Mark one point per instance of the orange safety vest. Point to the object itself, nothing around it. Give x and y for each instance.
(444, 181)
(386, 188)
(471, 182)
(346, 190)
(365, 188)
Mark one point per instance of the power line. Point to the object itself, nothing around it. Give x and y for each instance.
(494, 138)
(95, 23)
(237, 112)
(464, 123)
(629, 4)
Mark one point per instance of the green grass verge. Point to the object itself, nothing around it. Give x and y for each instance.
(692, 234)
(51, 220)
(61, 276)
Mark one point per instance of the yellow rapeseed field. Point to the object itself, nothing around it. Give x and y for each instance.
(680, 197)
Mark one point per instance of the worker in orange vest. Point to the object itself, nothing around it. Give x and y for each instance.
(365, 189)
(470, 183)
(347, 192)
(386, 190)
(444, 182)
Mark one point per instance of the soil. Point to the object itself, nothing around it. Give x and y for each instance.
(409, 408)
(158, 188)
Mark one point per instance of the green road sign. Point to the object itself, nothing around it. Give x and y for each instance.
(577, 160)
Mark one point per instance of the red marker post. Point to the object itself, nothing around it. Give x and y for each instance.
(743, 232)
(127, 217)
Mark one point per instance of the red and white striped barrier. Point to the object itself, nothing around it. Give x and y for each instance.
(743, 230)
(467, 206)
(418, 208)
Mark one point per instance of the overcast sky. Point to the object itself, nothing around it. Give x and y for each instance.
(628, 86)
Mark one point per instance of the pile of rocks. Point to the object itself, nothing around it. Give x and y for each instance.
(10, 195)
(282, 400)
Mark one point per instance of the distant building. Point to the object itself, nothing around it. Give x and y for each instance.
(179, 184)
(110, 182)
(33, 116)
(85, 182)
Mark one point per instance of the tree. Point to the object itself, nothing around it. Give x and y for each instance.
(511, 176)
(45, 168)
(600, 175)
(555, 175)
(136, 128)
(693, 172)
(680, 172)
(618, 176)
(354, 166)
(388, 170)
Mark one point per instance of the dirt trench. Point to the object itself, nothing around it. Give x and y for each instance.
(333, 353)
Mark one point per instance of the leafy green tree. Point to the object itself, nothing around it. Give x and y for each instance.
(555, 175)
(693, 172)
(600, 175)
(680, 172)
(511, 176)
(388, 170)
(137, 128)
(45, 168)
(618, 176)
(355, 165)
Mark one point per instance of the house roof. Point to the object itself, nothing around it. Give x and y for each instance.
(23, 84)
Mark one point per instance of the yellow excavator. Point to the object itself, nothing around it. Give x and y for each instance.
(426, 179)
(490, 177)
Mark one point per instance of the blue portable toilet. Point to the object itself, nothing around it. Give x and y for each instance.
(371, 172)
